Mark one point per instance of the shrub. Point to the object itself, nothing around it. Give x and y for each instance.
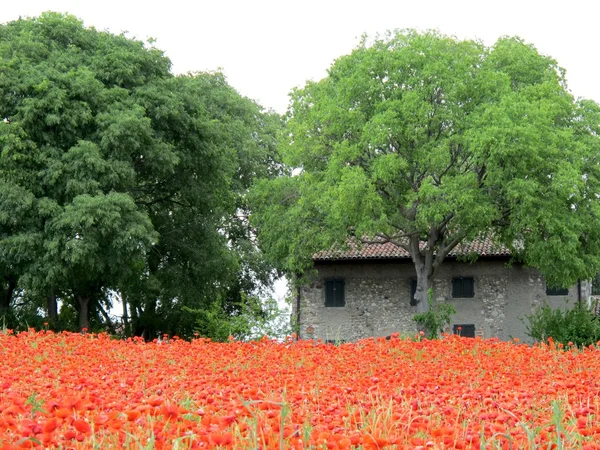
(434, 320)
(252, 319)
(577, 325)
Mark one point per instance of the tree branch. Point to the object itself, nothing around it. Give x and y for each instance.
(444, 223)
(109, 323)
(394, 240)
(451, 164)
(415, 251)
(167, 199)
(481, 174)
(447, 248)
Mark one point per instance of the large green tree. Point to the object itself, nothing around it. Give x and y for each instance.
(118, 177)
(427, 141)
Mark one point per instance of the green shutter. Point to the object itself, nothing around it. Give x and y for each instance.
(412, 290)
(338, 293)
(328, 292)
(334, 293)
(468, 287)
(463, 287)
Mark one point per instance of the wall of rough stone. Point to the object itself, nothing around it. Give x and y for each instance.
(378, 304)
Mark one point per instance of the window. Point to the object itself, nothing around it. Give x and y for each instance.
(334, 292)
(412, 289)
(464, 330)
(463, 287)
(556, 291)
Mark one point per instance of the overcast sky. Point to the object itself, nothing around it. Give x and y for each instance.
(266, 47)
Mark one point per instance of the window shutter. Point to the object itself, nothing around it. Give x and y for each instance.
(557, 291)
(456, 287)
(338, 295)
(466, 330)
(468, 287)
(412, 283)
(334, 292)
(329, 292)
(463, 287)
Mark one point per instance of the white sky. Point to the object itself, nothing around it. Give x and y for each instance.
(266, 47)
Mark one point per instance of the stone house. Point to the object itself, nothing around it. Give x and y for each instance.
(368, 291)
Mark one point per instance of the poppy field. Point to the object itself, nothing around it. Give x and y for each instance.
(76, 391)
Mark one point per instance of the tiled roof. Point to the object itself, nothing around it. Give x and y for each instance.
(388, 250)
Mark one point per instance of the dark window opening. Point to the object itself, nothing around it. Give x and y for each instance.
(463, 287)
(334, 292)
(556, 291)
(464, 330)
(412, 287)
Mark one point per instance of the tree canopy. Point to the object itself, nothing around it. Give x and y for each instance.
(119, 178)
(428, 141)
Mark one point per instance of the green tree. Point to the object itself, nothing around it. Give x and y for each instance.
(16, 236)
(120, 178)
(205, 257)
(427, 141)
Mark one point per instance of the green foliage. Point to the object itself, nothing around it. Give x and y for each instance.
(117, 176)
(429, 141)
(436, 318)
(254, 319)
(37, 405)
(576, 325)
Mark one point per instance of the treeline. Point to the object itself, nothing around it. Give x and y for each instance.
(121, 182)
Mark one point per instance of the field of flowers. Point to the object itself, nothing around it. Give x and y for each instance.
(90, 391)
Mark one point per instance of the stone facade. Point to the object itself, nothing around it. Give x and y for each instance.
(377, 298)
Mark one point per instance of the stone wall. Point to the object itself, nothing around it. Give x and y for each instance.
(377, 299)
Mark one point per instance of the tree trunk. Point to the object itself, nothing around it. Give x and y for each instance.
(4, 305)
(423, 260)
(107, 318)
(6, 296)
(84, 303)
(148, 317)
(125, 316)
(52, 307)
(134, 323)
(423, 284)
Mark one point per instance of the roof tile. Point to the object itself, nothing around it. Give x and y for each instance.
(389, 250)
